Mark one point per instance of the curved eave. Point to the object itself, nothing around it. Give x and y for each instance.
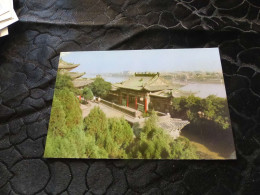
(75, 75)
(63, 65)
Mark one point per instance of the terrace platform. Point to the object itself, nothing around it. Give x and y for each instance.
(172, 126)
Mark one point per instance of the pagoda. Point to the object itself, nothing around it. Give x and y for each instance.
(77, 80)
(66, 66)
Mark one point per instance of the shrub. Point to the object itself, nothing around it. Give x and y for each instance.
(96, 123)
(92, 150)
(57, 120)
(100, 87)
(66, 138)
(154, 143)
(112, 135)
(213, 108)
(87, 93)
(71, 145)
(71, 107)
(120, 131)
(63, 81)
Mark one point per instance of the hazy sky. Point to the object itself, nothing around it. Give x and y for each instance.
(157, 60)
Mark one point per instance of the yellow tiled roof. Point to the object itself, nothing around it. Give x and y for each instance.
(66, 65)
(149, 82)
(81, 82)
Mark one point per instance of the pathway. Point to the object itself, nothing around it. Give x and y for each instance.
(110, 112)
(172, 126)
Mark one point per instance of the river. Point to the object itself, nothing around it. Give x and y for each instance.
(203, 90)
(111, 79)
(117, 79)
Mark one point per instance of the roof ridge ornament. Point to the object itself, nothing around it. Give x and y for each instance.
(147, 74)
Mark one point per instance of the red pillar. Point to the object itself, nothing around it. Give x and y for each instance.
(79, 97)
(127, 101)
(145, 104)
(136, 103)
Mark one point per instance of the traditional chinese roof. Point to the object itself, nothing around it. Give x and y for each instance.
(163, 93)
(113, 87)
(82, 82)
(66, 65)
(75, 75)
(145, 81)
(181, 93)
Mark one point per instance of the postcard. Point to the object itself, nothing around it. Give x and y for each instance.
(4, 32)
(140, 104)
(9, 17)
(4, 6)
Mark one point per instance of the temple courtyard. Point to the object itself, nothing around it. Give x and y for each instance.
(172, 126)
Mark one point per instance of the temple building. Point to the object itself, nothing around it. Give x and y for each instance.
(143, 91)
(78, 82)
(66, 66)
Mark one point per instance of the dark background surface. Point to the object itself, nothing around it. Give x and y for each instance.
(28, 64)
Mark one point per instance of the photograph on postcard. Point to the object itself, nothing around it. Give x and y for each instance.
(140, 104)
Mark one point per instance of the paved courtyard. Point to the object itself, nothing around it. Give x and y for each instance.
(171, 125)
(110, 112)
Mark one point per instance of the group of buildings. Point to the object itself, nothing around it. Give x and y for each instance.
(141, 91)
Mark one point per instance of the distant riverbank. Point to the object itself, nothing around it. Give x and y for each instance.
(200, 89)
(204, 90)
(111, 79)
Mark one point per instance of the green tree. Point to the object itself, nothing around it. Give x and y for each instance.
(71, 107)
(113, 135)
(154, 143)
(216, 109)
(64, 81)
(213, 108)
(96, 124)
(209, 118)
(121, 133)
(57, 120)
(193, 106)
(87, 93)
(92, 150)
(100, 87)
(182, 148)
(66, 137)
